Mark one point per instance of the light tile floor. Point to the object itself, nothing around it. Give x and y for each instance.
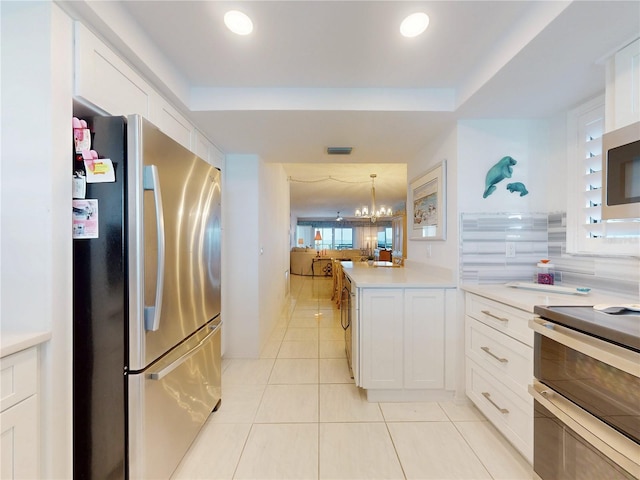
(295, 413)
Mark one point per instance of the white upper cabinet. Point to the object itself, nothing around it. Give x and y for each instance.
(163, 115)
(207, 150)
(104, 80)
(623, 87)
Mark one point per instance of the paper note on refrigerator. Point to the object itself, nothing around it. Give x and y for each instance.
(99, 170)
(85, 219)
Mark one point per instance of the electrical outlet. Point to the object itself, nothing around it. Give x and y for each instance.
(511, 249)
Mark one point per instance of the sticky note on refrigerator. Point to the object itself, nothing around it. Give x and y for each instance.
(99, 170)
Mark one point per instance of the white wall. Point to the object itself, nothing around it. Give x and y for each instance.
(437, 252)
(255, 252)
(273, 261)
(482, 143)
(240, 286)
(35, 198)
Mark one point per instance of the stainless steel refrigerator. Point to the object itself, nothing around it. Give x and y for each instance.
(146, 295)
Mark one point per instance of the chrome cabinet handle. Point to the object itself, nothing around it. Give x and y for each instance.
(487, 312)
(487, 395)
(489, 352)
(152, 313)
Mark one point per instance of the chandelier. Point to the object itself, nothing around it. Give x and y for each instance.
(373, 214)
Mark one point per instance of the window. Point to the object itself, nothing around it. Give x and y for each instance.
(327, 238)
(586, 231)
(343, 238)
(334, 238)
(385, 238)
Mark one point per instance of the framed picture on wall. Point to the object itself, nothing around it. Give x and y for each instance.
(428, 199)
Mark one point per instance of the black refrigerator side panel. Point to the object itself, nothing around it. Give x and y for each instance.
(99, 319)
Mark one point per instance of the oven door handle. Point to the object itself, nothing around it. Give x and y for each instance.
(612, 444)
(618, 357)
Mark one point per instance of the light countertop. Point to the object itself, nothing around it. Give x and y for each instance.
(381, 275)
(527, 299)
(13, 342)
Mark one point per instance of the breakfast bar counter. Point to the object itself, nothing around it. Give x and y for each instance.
(401, 325)
(387, 275)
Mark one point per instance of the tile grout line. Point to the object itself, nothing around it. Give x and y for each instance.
(472, 449)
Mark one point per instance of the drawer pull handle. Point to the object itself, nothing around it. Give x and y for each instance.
(487, 395)
(489, 352)
(502, 319)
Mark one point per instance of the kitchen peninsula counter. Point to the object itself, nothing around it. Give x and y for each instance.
(375, 276)
(402, 329)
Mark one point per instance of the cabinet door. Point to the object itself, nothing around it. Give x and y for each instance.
(163, 115)
(627, 85)
(207, 150)
(105, 80)
(19, 440)
(424, 338)
(381, 313)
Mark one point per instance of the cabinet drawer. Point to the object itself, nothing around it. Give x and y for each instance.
(507, 359)
(504, 318)
(18, 377)
(508, 412)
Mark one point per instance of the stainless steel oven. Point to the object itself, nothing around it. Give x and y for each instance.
(586, 394)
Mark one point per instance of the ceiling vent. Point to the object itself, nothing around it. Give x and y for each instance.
(339, 150)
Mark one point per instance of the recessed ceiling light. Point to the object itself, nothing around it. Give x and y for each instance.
(238, 22)
(414, 24)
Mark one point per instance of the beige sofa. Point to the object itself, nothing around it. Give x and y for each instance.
(302, 259)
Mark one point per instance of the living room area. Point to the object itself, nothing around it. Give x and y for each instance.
(319, 242)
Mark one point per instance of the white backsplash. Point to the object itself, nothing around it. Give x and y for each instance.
(483, 253)
(484, 238)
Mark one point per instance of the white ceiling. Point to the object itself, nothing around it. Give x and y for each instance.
(338, 73)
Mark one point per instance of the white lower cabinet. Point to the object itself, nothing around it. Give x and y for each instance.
(424, 313)
(381, 338)
(402, 339)
(19, 439)
(499, 367)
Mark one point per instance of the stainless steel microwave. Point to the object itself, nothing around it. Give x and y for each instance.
(621, 173)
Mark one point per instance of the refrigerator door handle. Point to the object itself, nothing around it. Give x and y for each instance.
(159, 375)
(152, 313)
